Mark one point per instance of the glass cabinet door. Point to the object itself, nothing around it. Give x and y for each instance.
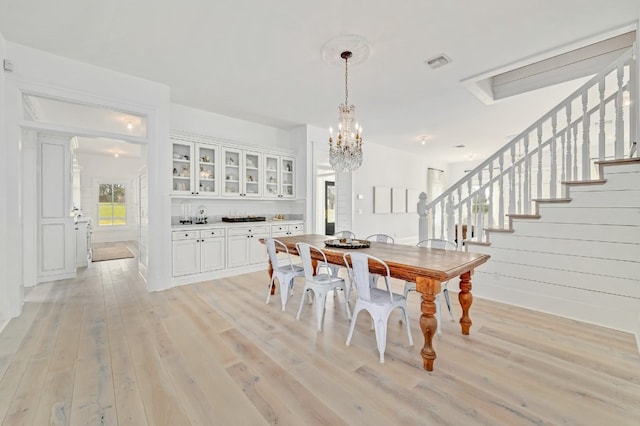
(207, 162)
(232, 175)
(271, 176)
(252, 162)
(288, 178)
(182, 179)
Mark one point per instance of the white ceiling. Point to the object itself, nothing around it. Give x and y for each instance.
(261, 60)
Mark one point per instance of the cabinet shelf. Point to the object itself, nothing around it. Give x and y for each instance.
(182, 177)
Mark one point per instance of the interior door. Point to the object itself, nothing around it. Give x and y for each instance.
(56, 234)
(329, 208)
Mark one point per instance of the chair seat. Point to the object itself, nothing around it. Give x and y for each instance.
(381, 297)
(327, 279)
(287, 269)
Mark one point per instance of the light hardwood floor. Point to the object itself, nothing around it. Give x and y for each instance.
(100, 350)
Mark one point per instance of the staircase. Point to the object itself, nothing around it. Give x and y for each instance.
(558, 208)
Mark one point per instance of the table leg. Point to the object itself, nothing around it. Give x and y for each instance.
(273, 286)
(429, 289)
(466, 298)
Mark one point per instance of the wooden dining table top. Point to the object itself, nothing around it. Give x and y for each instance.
(405, 262)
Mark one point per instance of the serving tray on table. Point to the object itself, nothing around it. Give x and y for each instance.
(347, 243)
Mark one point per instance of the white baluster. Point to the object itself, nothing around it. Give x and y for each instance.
(568, 156)
(442, 211)
(501, 192)
(491, 185)
(619, 147)
(601, 134)
(423, 224)
(450, 218)
(469, 219)
(539, 180)
(527, 174)
(563, 173)
(512, 189)
(519, 187)
(575, 152)
(459, 221)
(554, 157)
(586, 154)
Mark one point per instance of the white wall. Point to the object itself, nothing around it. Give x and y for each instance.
(389, 168)
(96, 169)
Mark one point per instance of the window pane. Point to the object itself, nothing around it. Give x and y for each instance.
(112, 207)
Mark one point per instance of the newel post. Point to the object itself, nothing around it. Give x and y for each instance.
(423, 223)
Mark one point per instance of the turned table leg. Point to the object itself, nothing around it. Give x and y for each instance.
(429, 289)
(466, 298)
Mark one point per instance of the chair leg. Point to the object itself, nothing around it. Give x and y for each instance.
(270, 286)
(380, 326)
(353, 325)
(302, 302)
(284, 293)
(406, 320)
(446, 297)
(321, 299)
(438, 309)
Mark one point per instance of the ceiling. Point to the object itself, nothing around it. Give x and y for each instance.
(262, 60)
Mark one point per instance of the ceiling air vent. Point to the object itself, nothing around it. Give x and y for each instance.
(438, 61)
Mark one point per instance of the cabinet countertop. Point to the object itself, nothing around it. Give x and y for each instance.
(219, 224)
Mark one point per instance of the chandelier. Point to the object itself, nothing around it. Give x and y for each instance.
(345, 154)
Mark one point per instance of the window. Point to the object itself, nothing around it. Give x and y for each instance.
(112, 206)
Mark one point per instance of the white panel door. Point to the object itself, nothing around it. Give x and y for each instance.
(56, 237)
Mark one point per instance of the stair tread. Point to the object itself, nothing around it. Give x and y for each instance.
(477, 243)
(551, 200)
(523, 216)
(619, 161)
(498, 230)
(584, 182)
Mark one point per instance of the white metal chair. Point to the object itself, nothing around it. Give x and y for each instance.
(285, 273)
(379, 238)
(320, 284)
(379, 303)
(435, 243)
(332, 266)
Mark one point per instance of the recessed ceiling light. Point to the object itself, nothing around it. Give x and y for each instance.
(116, 155)
(438, 61)
(129, 125)
(423, 139)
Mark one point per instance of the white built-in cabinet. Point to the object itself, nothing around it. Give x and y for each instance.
(196, 251)
(200, 167)
(287, 230)
(244, 246)
(242, 176)
(279, 177)
(195, 168)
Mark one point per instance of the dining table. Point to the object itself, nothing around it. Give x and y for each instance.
(427, 267)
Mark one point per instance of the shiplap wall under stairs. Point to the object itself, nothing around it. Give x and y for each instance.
(576, 257)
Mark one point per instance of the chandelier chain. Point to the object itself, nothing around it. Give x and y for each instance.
(346, 79)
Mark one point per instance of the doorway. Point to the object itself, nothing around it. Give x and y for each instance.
(329, 208)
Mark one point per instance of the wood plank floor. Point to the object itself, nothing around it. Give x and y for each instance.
(100, 349)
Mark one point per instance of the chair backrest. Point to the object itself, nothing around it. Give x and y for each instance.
(304, 251)
(358, 268)
(345, 234)
(271, 244)
(381, 238)
(438, 243)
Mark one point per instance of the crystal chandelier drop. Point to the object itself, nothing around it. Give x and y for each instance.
(345, 153)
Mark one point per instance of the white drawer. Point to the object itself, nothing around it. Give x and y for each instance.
(208, 233)
(249, 230)
(277, 229)
(185, 235)
(299, 227)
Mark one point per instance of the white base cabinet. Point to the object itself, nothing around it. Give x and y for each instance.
(196, 251)
(244, 245)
